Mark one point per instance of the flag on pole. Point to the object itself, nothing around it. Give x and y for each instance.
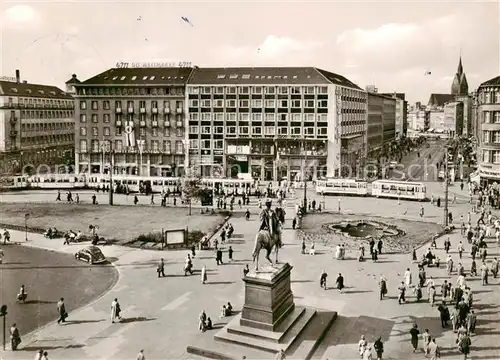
(129, 136)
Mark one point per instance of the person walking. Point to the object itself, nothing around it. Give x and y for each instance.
(322, 279)
(230, 252)
(161, 268)
(379, 348)
(433, 350)
(203, 274)
(15, 337)
(340, 283)
(61, 308)
(141, 356)
(414, 332)
(115, 310)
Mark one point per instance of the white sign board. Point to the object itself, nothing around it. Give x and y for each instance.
(174, 237)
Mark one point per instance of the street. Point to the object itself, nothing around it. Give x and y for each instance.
(47, 276)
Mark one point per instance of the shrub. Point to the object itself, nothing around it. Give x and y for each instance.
(153, 237)
(195, 237)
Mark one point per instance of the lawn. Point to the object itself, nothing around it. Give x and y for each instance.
(120, 223)
(416, 232)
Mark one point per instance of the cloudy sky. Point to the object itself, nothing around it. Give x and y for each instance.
(389, 44)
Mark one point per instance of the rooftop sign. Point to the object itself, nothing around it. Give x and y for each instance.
(180, 64)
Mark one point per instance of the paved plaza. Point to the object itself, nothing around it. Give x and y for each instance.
(160, 315)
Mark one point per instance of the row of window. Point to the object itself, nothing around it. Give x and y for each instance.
(489, 96)
(97, 146)
(40, 101)
(36, 114)
(256, 130)
(257, 103)
(46, 126)
(491, 136)
(124, 91)
(130, 117)
(310, 90)
(257, 117)
(491, 156)
(491, 117)
(105, 105)
(47, 139)
(106, 131)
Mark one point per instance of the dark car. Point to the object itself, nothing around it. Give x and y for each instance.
(91, 254)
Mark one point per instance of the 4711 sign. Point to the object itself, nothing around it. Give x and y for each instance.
(180, 64)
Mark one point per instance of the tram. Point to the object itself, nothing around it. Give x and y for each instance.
(333, 186)
(399, 189)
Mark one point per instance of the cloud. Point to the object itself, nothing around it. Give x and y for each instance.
(21, 17)
(274, 50)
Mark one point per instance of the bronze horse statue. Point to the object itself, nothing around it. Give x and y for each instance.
(267, 240)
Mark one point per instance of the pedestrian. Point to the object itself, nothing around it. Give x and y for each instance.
(280, 355)
(77, 198)
(494, 267)
(246, 270)
(303, 246)
(433, 350)
(408, 278)
(61, 308)
(45, 355)
(444, 314)
(414, 332)
(426, 338)
(94, 199)
(379, 348)
(115, 310)
(464, 345)
(202, 321)
(230, 253)
(15, 337)
(362, 344)
(218, 257)
(141, 356)
(379, 246)
(39, 355)
(484, 273)
(382, 286)
(294, 223)
(136, 199)
(340, 283)
(402, 291)
(161, 268)
(58, 198)
(152, 198)
(203, 274)
(322, 279)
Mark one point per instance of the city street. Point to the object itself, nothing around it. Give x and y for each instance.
(47, 276)
(150, 309)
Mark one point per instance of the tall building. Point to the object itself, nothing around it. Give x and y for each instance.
(488, 95)
(453, 119)
(401, 113)
(272, 122)
(381, 120)
(132, 118)
(36, 126)
(417, 118)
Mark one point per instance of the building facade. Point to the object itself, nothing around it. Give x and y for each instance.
(417, 117)
(381, 120)
(488, 95)
(453, 121)
(274, 123)
(36, 126)
(133, 118)
(436, 119)
(401, 113)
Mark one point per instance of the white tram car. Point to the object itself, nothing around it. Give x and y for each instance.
(342, 186)
(399, 189)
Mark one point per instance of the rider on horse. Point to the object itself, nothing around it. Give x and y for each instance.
(269, 220)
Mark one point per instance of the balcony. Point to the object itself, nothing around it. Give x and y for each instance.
(178, 124)
(131, 110)
(142, 110)
(154, 123)
(118, 123)
(118, 110)
(142, 123)
(166, 111)
(179, 110)
(166, 123)
(154, 110)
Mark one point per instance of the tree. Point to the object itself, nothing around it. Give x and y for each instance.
(191, 186)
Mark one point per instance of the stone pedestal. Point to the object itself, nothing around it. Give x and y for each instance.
(268, 298)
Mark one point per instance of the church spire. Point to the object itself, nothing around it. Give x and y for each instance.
(460, 69)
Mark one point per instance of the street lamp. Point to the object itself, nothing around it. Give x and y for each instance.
(26, 216)
(3, 314)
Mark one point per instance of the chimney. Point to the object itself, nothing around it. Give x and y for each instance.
(18, 76)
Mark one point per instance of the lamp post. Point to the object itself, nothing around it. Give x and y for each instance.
(111, 169)
(26, 216)
(304, 176)
(3, 314)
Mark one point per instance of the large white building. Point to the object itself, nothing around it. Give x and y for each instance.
(271, 122)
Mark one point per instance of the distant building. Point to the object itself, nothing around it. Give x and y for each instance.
(453, 118)
(36, 126)
(418, 118)
(401, 113)
(436, 119)
(460, 87)
(488, 153)
(381, 121)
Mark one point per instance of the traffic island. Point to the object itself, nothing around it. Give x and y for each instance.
(269, 322)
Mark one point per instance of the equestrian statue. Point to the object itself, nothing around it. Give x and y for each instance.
(269, 234)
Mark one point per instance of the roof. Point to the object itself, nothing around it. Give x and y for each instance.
(400, 96)
(492, 82)
(73, 80)
(267, 76)
(440, 99)
(384, 96)
(9, 88)
(141, 76)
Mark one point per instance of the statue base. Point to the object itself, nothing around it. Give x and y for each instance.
(270, 321)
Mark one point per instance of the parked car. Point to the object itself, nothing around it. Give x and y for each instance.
(91, 254)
